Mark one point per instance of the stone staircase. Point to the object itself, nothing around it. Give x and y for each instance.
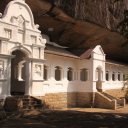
(120, 102)
(14, 103)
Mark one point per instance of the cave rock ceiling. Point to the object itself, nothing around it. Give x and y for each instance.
(75, 34)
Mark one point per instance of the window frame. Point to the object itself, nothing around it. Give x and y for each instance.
(84, 72)
(113, 76)
(8, 33)
(58, 68)
(70, 70)
(107, 73)
(45, 73)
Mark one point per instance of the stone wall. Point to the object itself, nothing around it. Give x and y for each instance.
(102, 101)
(67, 100)
(60, 100)
(118, 93)
(84, 99)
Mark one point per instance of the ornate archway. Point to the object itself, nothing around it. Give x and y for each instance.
(19, 73)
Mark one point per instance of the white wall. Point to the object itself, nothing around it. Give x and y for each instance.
(98, 62)
(53, 86)
(85, 86)
(116, 68)
(17, 29)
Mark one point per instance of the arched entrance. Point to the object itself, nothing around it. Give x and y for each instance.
(99, 75)
(19, 76)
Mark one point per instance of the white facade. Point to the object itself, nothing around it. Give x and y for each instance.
(23, 61)
(21, 48)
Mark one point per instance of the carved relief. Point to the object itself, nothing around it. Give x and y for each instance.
(38, 73)
(38, 70)
(21, 21)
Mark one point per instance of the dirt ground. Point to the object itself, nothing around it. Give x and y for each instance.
(69, 118)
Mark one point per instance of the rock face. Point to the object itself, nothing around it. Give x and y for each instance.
(79, 34)
(106, 13)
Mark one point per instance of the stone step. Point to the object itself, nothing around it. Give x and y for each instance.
(22, 102)
(109, 96)
(118, 105)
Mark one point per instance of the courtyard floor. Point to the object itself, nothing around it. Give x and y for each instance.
(69, 118)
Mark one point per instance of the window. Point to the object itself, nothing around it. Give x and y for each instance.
(70, 74)
(119, 76)
(107, 75)
(57, 73)
(125, 77)
(113, 76)
(96, 74)
(84, 74)
(8, 33)
(45, 72)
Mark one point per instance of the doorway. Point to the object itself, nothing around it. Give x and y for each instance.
(99, 75)
(18, 73)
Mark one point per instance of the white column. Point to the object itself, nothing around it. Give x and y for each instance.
(52, 70)
(20, 72)
(78, 75)
(28, 84)
(65, 73)
(116, 76)
(110, 75)
(121, 76)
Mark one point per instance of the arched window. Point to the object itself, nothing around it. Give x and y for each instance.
(119, 76)
(45, 72)
(84, 74)
(107, 75)
(99, 74)
(70, 74)
(113, 76)
(123, 77)
(57, 73)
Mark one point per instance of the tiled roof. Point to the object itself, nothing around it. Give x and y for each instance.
(86, 54)
(59, 51)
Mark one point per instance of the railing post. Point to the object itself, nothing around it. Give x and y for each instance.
(114, 104)
(124, 102)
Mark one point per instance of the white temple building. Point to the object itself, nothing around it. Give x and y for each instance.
(32, 65)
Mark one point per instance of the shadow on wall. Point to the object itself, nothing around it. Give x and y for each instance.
(78, 99)
(69, 99)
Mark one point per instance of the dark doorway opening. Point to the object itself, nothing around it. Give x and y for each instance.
(18, 75)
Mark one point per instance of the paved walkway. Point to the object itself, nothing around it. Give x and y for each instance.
(69, 118)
